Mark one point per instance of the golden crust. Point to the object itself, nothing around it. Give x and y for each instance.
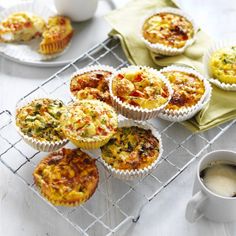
(140, 88)
(40, 119)
(21, 26)
(67, 177)
(131, 148)
(89, 122)
(168, 29)
(222, 65)
(57, 35)
(91, 85)
(188, 89)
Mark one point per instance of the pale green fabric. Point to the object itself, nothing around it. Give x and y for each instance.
(126, 24)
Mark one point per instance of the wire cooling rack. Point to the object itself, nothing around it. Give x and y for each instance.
(115, 202)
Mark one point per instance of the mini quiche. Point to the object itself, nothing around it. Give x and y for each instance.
(168, 29)
(21, 26)
(89, 124)
(40, 120)
(222, 65)
(67, 177)
(131, 148)
(140, 87)
(92, 84)
(188, 89)
(57, 35)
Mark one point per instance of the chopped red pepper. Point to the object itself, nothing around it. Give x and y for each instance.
(101, 131)
(138, 78)
(136, 93)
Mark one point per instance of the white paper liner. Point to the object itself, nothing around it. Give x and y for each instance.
(206, 59)
(138, 113)
(161, 48)
(186, 113)
(89, 69)
(43, 146)
(135, 174)
(28, 51)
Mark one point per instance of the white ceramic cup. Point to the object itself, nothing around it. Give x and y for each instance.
(206, 203)
(77, 10)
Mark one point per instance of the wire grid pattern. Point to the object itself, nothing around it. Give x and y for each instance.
(115, 202)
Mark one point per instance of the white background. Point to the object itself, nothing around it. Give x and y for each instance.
(24, 214)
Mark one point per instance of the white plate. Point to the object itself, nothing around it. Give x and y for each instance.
(82, 40)
(26, 51)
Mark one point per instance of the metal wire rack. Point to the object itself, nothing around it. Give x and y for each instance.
(115, 202)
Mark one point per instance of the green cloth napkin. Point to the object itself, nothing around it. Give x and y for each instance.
(126, 24)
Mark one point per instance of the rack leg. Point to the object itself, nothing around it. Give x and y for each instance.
(135, 220)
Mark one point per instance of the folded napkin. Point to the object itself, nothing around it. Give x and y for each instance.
(126, 23)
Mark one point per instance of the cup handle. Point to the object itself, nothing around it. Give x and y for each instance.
(194, 207)
(110, 3)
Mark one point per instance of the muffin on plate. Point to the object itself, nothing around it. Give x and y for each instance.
(67, 177)
(89, 124)
(223, 65)
(133, 151)
(21, 26)
(139, 92)
(38, 122)
(168, 31)
(191, 92)
(92, 83)
(57, 35)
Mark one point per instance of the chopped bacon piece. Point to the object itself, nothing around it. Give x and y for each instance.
(121, 98)
(165, 93)
(133, 103)
(120, 76)
(28, 24)
(38, 34)
(62, 21)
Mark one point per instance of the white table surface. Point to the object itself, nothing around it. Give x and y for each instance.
(24, 214)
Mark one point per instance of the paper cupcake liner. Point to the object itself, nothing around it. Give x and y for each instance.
(65, 203)
(43, 146)
(186, 116)
(88, 144)
(161, 48)
(206, 59)
(50, 49)
(89, 69)
(135, 174)
(186, 113)
(137, 113)
(94, 142)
